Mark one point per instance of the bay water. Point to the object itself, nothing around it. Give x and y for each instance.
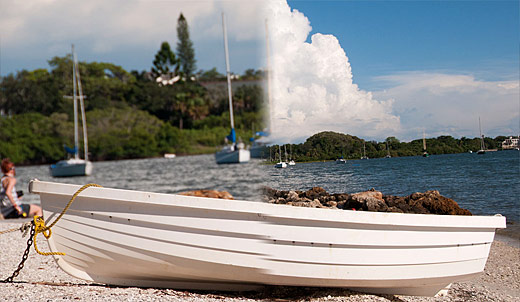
(484, 184)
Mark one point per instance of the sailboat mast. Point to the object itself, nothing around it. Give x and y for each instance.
(82, 108)
(75, 100)
(268, 72)
(424, 141)
(481, 137)
(228, 72)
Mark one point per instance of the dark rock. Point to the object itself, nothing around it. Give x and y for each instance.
(340, 204)
(394, 210)
(341, 197)
(373, 204)
(353, 204)
(315, 193)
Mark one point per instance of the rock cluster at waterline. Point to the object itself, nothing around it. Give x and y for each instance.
(429, 202)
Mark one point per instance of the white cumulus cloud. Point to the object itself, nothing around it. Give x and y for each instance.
(126, 33)
(312, 86)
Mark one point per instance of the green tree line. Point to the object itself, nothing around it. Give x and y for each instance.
(129, 114)
(331, 145)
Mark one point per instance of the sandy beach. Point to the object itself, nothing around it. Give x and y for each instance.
(42, 280)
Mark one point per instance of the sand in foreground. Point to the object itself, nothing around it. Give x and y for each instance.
(42, 280)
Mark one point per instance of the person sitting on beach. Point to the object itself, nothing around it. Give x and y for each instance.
(10, 204)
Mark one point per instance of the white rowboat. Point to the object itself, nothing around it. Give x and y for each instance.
(133, 238)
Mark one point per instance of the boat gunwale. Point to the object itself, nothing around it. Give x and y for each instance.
(270, 211)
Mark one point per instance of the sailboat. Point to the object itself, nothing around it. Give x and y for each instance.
(75, 166)
(234, 153)
(425, 153)
(388, 151)
(364, 152)
(341, 160)
(291, 161)
(280, 164)
(482, 146)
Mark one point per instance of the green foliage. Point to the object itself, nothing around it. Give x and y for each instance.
(210, 75)
(189, 102)
(248, 98)
(30, 138)
(29, 92)
(251, 74)
(123, 133)
(330, 145)
(185, 50)
(165, 61)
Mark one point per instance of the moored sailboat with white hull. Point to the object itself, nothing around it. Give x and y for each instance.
(75, 166)
(280, 164)
(234, 153)
(425, 152)
(482, 149)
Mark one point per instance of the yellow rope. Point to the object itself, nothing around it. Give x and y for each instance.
(39, 223)
(39, 227)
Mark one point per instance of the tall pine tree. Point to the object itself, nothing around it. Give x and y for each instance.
(185, 50)
(165, 61)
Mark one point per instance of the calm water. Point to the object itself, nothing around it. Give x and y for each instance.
(161, 175)
(484, 184)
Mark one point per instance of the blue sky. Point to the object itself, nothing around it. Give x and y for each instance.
(432, 66)
(386, 37)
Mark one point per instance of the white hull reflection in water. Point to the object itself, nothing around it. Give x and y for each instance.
(133, 238)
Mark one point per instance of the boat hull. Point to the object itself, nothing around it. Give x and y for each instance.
(133, 238)
(281, 165)
(71, 168)
(232, 157)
